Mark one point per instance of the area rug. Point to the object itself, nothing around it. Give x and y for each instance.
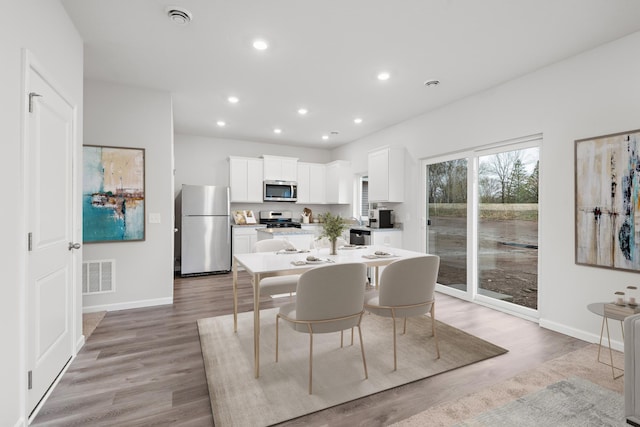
(572, 402)
(90, 322)
(281, 392)
(580, 363)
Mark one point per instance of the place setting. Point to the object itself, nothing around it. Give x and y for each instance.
(379, 254)
(312, 260)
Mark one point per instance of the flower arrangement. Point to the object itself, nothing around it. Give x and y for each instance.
(332, 227)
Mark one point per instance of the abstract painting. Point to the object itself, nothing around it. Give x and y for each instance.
(112, 194)
(607, 201)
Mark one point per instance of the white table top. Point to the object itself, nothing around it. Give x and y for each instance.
(274, 262)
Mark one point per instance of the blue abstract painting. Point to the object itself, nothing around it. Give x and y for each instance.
(608, 201)
(112, 194)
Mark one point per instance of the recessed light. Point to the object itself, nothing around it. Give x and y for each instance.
(221, 123)
(357, 120)
(384, 76)
(233, 99)
(325, 137)
(260, 44)
(302, 111)
(277, 130)
(432, 82)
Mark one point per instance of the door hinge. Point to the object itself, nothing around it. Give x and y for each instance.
(31, 96)
(30, 241)
(30, 380)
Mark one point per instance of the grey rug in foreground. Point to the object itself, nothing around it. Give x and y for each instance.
(281, 393)
(571, 402)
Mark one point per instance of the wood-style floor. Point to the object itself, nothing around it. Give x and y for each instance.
(143, 367)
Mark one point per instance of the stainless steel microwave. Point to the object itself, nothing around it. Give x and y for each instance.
(280, 191)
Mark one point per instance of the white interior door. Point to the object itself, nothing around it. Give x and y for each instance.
(50, 278)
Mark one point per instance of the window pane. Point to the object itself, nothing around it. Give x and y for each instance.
(508, 226)
(447, 227)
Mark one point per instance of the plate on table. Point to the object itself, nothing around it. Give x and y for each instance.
(348, 247)
(316, 261)
(381, 254)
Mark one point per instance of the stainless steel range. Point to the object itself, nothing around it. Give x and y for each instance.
(278, 219)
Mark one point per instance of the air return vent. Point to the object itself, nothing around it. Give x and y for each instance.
(179, 15)
(98, 276)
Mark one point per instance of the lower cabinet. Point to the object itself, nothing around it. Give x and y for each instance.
(243, 239)
(387, 237)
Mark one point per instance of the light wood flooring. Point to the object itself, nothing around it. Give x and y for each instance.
(143, 367)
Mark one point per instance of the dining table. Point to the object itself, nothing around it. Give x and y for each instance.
(266, 264)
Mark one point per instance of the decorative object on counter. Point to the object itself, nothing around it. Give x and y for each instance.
(619, 298)
(307, 216)
(332, 227)
(244, 217)
(631, 290)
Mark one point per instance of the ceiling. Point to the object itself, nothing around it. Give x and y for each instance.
(325, 55)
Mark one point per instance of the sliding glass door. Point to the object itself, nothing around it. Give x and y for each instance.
(447, 220)
(481, 211)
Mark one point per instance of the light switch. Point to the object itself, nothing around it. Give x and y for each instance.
(154, 218)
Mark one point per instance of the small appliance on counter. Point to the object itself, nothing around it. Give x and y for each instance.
(381, 218)
(279, 219)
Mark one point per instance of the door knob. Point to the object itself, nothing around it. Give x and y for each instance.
(74, 245)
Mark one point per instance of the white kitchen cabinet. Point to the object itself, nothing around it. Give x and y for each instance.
(339, 182)
(388, 237)
(245, 179)
(244, 239)
(311, 183)
(386, 175)
(277, 168)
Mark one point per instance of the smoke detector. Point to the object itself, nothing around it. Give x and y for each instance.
(179, 15)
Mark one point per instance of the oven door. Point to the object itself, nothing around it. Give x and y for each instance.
(280, 191)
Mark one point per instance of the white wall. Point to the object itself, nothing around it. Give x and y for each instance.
(125, 116)
(592, 94)
(44, 29)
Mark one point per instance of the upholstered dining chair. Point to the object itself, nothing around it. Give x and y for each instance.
(407, 290)
(328, 299)
(277, 284)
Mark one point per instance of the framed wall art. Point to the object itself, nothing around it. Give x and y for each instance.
(607, 201)
(113, 194)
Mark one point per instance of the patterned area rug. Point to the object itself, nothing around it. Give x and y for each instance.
(580, 364)
(281, 392)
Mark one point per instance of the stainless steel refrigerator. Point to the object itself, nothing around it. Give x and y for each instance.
(205, 230)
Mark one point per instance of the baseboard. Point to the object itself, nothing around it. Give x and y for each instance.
(127, 305)
(580, 334)
(80, 343)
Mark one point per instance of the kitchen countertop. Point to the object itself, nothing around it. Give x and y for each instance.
(366, 228)
(284, 230)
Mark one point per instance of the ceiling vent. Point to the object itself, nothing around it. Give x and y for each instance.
(179, 15)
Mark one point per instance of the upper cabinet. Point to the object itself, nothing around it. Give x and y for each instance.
(277, 168)
(386, 175)
(311, 183)
(339, 182)
(245, 179)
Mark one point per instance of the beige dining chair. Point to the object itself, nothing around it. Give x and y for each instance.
(328, 299)
(407, 290)
(277, 284)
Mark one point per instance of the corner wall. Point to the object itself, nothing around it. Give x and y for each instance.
(125, 116)
(592, 94)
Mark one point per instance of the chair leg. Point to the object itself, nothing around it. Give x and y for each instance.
(277, 319)
(341, 339)
(364, 360)
(404, 329)
(395, 357)
(433, 328)
(310, 358)
(351, 336)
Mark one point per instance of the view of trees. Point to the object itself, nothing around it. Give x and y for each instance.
(505, 177)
